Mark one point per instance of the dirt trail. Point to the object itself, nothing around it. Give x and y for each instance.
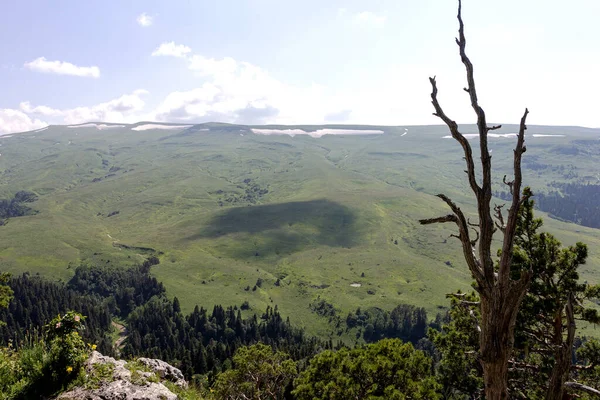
(122, 335)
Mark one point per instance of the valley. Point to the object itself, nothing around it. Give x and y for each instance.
(330, 218)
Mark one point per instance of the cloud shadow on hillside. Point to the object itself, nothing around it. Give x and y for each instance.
(286, 227)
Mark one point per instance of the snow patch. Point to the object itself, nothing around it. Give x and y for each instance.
(100, 127)
(546, 135)
(158, 126)
(317, 133)
(355, 285)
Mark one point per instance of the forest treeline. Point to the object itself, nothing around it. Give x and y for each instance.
(36, 301)
(201, 342)
(15, 207)
(573, 202)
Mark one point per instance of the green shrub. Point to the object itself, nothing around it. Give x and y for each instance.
(43, 368)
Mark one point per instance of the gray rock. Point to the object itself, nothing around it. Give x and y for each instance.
(120, 385)
(119, 372)
(122, 390)
(165, 371)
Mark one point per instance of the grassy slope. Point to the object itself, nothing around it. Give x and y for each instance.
(334, 209)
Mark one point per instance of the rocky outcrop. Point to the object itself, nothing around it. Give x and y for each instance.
(110, 379)
(165, 371)
(121, 390)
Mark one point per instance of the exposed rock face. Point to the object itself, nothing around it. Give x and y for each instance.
(121, 390)
(117, 380)
(165, 371)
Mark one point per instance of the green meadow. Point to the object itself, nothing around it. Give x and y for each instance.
(333, 218)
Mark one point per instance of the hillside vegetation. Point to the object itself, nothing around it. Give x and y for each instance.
(235, 216)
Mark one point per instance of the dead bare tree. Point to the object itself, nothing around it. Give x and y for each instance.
(500, 295)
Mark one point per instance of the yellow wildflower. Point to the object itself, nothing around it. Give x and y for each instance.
(93, 347)
(69, 369)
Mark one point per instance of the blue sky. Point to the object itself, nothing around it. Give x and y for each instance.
(275, 61)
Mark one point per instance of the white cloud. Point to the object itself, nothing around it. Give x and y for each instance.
(46, 111)
(230, 90)
(17, 121)
(370, 18)
(62, 68)
(126, 108)
(239, 92)
(144, 20)
(210, 66)
(171, 49)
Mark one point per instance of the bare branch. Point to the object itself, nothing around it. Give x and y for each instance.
(499, 217)
(511, 224)
(583, 388)
(493, 128)
(474, 241)
(509, 184)
(460, 220)
(522, 365)
(485, 194)
(452, 235)
(457, 295)
(453, 126)
(439, 220)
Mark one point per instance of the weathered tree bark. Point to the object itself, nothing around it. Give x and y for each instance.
(500, 295)
(562, 352)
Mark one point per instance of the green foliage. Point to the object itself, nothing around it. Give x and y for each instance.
(99, 373)
(67, 350)
(387, 369)
(123, 288)
(10, 370)
(37, 300)
(6, 293)
(14, 207)
(405, 322)
(588, 357)
(191, 393)
(45, 367)
(542, 322)
(458, 370)
(258, 373)
(203, 342)
(141, 373)
(344, 198)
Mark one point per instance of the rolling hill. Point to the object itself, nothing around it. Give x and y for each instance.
(283, 215)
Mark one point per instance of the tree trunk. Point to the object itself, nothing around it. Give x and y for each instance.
(562, 353)
(499, 314)
(560, 373)
(500, 295)
(495, 375)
